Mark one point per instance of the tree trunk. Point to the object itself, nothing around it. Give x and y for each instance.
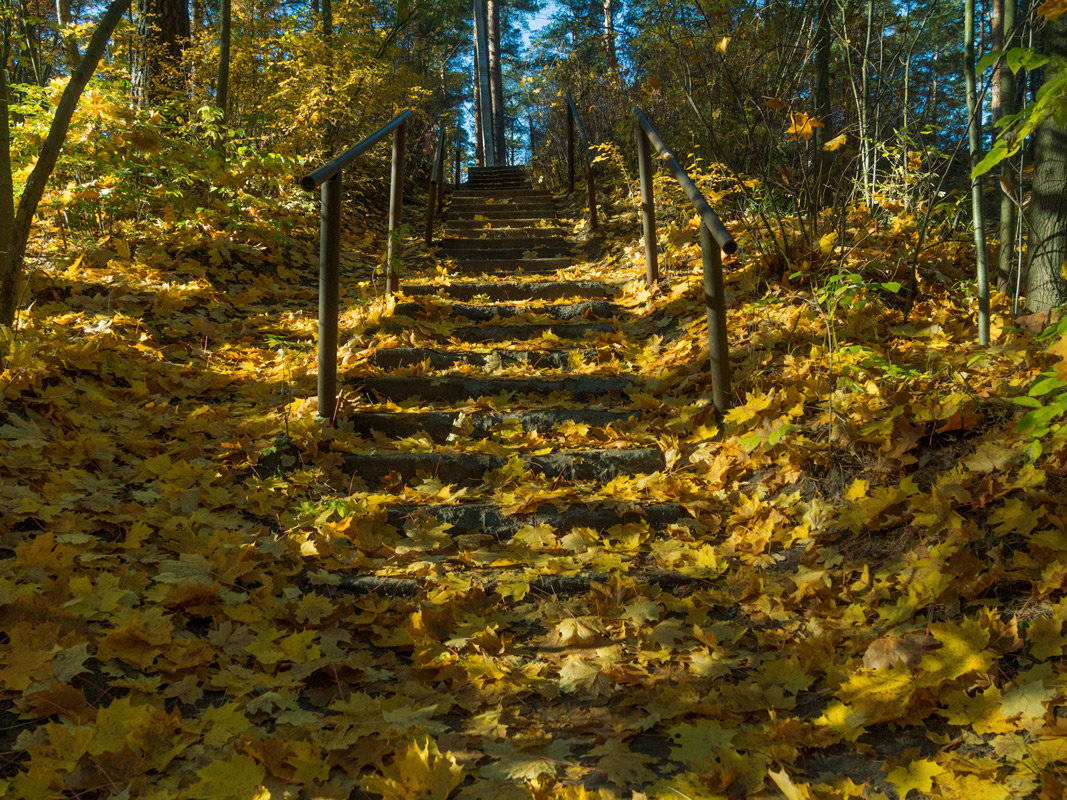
(222, 89)
(70, 42)
(15, 225)
(1007, 105)
(609, 35)
(479, 139)
(481, 28)
(497, 82)
(822, 106)
(162, 36)
(1046, 286)
(974, 131)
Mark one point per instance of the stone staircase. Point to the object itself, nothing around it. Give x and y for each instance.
(501, 352)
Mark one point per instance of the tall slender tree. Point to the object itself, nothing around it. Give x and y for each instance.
(974, 136)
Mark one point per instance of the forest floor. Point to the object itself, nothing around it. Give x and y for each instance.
(881, 555)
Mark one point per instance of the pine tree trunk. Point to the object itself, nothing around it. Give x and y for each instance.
(1046, 287)
(496, 79)
(609, 35)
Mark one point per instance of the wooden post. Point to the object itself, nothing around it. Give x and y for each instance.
(715, 306)
(590, 182)
(396, 203)
(329, 291)
(648, 205)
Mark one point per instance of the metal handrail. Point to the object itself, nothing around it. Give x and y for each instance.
(437, 182)
(590, 180)
(328, 179)
(713, 238)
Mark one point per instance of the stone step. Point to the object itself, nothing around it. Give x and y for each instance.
(394, 357)
(489, 519)
(481, 249)
(474, 205)
(471, 468)
(500, 213)
(513, 291)
(513, 265)
(586, 309)
(496, 229)
(496, 242)
(459, 388)
(462, 193)
(526, 332)
(439, 425)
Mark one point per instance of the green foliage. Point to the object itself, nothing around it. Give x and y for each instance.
(1051, 101)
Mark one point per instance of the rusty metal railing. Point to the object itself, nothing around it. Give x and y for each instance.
(590, 179)
(713, 238)
(328, 179)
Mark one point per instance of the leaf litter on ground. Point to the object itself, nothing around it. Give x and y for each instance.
(871, 590)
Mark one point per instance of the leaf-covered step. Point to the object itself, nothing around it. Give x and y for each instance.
(496, 229)
(489, 240)
(514, 265)
(516, 291)
(504, 212)
(502, 200)
(471, 468)
(393, 357)
(439, 425)
(529, 331)
(587, 309)
(542, 584)
(462, 193)
(474, 249)
(489, 518)
(455, 388)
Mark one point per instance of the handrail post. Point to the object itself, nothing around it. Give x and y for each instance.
(648, 205)
(590, 182)
(329, 291)
(396, 202)
(459, 152)
(715, 306)
(436, 184)
(570, 150)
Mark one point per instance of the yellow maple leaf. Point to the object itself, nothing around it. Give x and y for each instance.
(722, 45)
(918, 775)
(1052, 9)
(801, 125)
(836, 143)
(235, 778)
(421, 773)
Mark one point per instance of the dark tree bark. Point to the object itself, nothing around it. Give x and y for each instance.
(222, 88)
(70, 42)
(822, 105)
(974, 134)
(15, 223)
(496, 79)
(479, 137)
(1046, 287)
(609, 35)
(163, 35)
(1005, 102)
